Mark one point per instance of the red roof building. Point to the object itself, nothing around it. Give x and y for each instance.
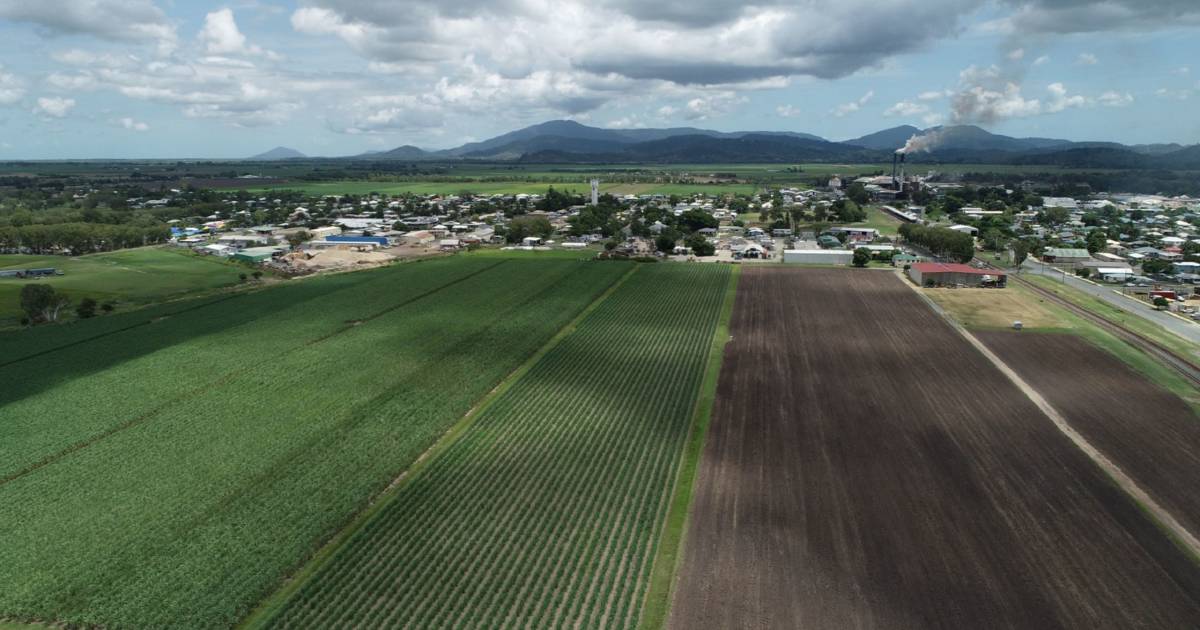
(953, 274)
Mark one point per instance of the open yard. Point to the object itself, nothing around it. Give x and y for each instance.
(169, 467)
(131, 275)
(547, 510)
(998, 308)
(1147, 431)
(866, 467)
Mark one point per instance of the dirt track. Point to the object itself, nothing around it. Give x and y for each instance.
(1150, 433)
(868, 468)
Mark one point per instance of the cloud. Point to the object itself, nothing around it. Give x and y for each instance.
(1090, 16)
(110, 20)
(1040, 61)
(1115, 99)
(667, 111)
(71, 82)
(1060, 99)
(906, 109)
(706, 107)
(1179, 95)
(625, 122)
(789, 111)
(1087, 59)
(846, 109)
(133, 125)
(221, 36)
(1016, 55)
(53, 106)
(933, 95)
(1182, 71)
(11, 87)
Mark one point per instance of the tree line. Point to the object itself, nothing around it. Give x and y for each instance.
(78, 238)
(943, 242)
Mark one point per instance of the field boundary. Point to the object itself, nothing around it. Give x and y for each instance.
(1164, 519)
(262, 615)
(656, 604)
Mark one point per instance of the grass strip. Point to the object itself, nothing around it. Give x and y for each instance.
(660, 592)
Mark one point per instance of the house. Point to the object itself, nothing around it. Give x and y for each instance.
(965, 229)
(418, 238)
(531, 241)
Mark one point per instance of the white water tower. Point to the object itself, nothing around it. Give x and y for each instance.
(595, 192)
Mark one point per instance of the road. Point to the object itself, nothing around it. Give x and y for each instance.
(1180, 327)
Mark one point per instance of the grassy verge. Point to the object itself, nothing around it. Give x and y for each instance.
(261, 616)
(1116, 315)
(666, 561)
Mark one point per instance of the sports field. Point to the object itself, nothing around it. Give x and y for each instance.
(131, 275)
(170, 471)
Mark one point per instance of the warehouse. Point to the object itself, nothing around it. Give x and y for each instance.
(818, 256)
(955, 274)
(256, 254)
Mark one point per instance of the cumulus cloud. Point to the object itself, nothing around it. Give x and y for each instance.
(53, 106)
(132, 124)
(788, 111)
(1087, 59)
(906, 109)
(221, 36)
(111, 20)
(1113, 98)
(11, 87)
(712, 106)
(1040, 61)
(846, 109)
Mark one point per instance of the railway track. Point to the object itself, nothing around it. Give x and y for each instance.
(1180, 364)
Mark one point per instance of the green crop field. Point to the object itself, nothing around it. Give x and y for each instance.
(168, 467)
(547, 510)
(579, 186)
(131, 275)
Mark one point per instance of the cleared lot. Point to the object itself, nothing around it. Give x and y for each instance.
(867, 468)
(1147, 431)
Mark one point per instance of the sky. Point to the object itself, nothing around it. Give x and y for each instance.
(191, 79)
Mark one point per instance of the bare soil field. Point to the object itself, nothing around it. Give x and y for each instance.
(1147, 431)
(867, 468)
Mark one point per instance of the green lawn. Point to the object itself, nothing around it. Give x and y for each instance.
(128, 276)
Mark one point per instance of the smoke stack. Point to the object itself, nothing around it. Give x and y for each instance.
(895, 159)
(901, 187)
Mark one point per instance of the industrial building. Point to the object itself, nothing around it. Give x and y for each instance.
(1065, 255)
(818, 256)
(955, 274)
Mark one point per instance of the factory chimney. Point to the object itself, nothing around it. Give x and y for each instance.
(595, 192)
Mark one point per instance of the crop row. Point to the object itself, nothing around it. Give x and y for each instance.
(546, 512)
(188, 516)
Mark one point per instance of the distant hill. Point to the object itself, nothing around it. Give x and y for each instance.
(892, 139)
(278, 153)
(567, 141)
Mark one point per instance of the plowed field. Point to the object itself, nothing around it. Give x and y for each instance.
(867, 468)
(1148, 432)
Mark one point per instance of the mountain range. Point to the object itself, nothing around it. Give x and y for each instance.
(565, 141)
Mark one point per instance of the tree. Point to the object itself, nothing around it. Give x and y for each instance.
(1097, 240)
(296, 238)
(41, 303)
(694, 220)
(862, 256)
(700, 245)
(1020, 250)
(257, 274)
(665, 244)
(1155, 265)
(242, 277)
(108, 307)
(857, 193)
(86, 308)
(1161, 303)
(610, 245)
(1083, 272)
(526, 226)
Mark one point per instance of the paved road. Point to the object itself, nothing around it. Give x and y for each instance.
(1187, 330)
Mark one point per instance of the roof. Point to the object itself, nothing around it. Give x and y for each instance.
(932, 267)
(1066, 252)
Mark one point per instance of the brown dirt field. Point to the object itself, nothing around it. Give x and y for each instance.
(1147, 431)
(867, 468)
